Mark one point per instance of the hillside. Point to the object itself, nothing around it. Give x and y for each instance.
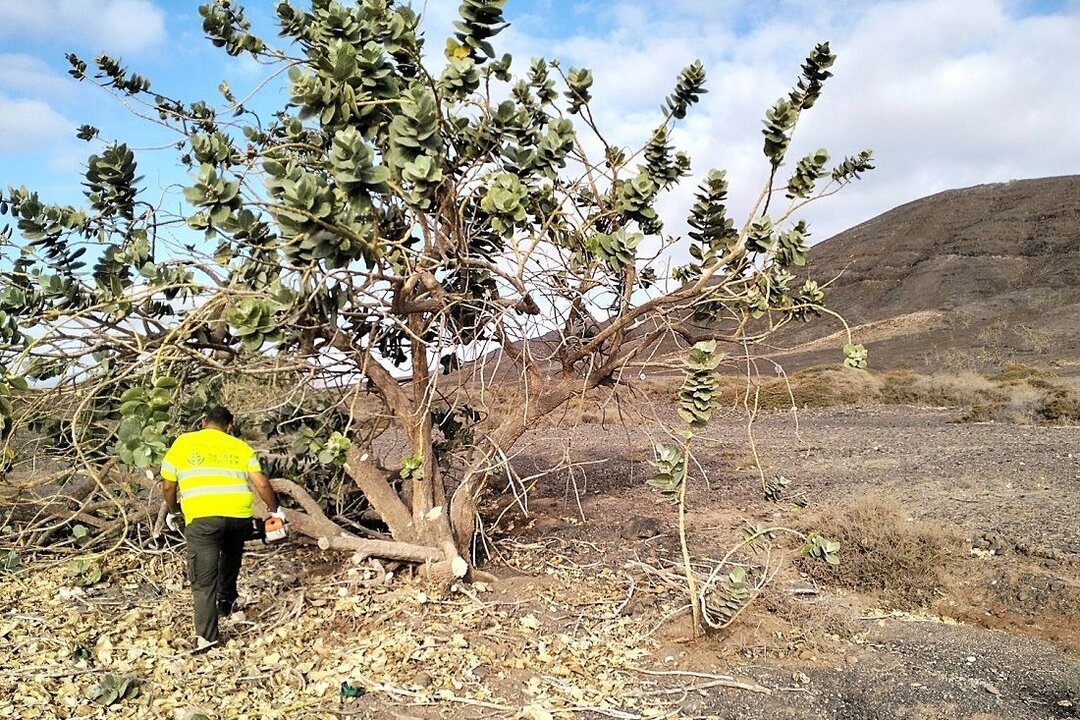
(967, 278)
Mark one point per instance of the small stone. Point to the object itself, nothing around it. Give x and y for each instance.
(640, 528)
(422, 679)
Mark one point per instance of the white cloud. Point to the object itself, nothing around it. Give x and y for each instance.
(947, 94)
(118, 26)
(30, 126)
(29, 75)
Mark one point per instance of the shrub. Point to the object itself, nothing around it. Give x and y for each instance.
(904, 562)
(1015, 372)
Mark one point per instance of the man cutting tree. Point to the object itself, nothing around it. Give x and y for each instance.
(212, 471)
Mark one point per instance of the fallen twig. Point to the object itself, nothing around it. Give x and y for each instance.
(713, 681)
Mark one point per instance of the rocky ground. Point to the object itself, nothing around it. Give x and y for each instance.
(999, 640)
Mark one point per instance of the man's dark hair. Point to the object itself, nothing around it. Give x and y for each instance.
(219, 415)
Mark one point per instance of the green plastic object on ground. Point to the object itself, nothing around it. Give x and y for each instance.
(350, 691)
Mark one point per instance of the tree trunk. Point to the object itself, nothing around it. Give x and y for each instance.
(463, 504)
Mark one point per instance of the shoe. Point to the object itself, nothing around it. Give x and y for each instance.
(225, 609)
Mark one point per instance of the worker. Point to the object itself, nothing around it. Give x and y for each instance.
(212, 471)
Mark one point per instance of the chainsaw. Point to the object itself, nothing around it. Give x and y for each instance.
(274, 529)
(270, 530)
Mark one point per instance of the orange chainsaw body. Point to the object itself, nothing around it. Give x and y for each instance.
(275, 529)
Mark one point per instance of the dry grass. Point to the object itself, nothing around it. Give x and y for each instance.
(904, 562)
(937, 390)
(1018, 372)
(1016, 394)
(1031, 405)
(806, 624)
(813, 387)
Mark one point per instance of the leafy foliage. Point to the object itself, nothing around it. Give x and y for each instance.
(724, 600)
(85, 572)
(851, 168)
(699, 387)
(411, 466)
(480, 21)
(713, 232)
(114, 688)
(670, 469)
(821, 548)
(807, 172)
(855, 355)
(688, 90)
(10, 563)
(578, 82)
(775, 487)
(387, 220)
(141, 439)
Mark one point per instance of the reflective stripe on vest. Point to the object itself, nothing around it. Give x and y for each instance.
(211, 472)
(213, 490)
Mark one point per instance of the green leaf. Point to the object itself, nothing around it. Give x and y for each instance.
(855, 355)
(132, 394)
(10, 563)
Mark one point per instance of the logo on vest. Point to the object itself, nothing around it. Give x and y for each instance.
(196, 459)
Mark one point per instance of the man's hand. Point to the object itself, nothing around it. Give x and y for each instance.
(172, 521)
(279, 514)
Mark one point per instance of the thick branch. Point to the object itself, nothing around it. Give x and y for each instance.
(313, 523)
(381, 494)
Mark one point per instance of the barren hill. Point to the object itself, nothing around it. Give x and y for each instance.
(969, 278)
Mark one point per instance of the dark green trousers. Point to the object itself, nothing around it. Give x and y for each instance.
(215, 547)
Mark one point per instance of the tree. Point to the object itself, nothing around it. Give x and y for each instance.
(373, 260)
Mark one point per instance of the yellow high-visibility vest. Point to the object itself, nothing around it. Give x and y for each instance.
(211, 467)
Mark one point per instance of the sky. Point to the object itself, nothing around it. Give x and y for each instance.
(947, 93)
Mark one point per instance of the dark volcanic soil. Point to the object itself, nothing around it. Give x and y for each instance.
(999, 642)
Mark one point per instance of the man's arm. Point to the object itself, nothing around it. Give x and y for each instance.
(266, 492)
(168, 489)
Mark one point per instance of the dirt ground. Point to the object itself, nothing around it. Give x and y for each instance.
(580, 625)
(999, 642)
